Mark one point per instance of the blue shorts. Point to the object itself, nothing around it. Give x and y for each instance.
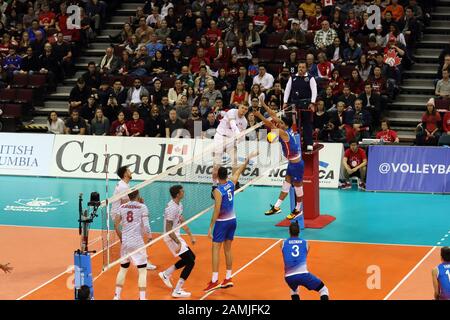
(307, 280)
(224, 230)
(295, 171)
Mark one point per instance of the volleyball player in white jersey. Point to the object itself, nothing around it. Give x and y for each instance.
(232, 123)
(135, 232)
(173, 217)
(123, 185)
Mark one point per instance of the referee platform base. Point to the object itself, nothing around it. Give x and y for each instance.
(317, 223)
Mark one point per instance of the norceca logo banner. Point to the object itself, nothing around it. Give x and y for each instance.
(409, 169)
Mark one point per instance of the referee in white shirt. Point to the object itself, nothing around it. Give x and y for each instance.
(123, 185)
(264, 79)
(301, 91)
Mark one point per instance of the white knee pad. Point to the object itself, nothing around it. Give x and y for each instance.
(286, 187)
(324, 291)
(298, 191)
(121, 276)
(142, 280)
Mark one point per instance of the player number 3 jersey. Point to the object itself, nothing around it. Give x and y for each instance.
(294, 256)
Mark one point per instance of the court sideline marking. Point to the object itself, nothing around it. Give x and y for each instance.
(409, 274)
(245, 266)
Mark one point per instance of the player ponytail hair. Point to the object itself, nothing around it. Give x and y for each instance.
(294, 229)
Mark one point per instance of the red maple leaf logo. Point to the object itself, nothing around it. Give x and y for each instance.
(392, 59)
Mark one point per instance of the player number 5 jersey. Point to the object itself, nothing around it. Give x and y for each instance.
(227, 206)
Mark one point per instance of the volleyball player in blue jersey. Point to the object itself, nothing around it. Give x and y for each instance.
(295, 251)
(292, 151)
(441, 276)
(224, 223)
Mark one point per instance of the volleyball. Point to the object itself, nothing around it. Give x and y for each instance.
(271, 136)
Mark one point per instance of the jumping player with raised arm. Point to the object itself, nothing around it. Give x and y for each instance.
(293, 153)
(441, 276)
(224, 222)
(295, 251)
(133, 217)
(232, 123)
(173, 217)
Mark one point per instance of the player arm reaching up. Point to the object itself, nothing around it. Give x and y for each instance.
(237, 174)
(270, 124)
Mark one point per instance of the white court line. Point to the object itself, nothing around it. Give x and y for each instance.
(245, 266)
(68, 270)
(409, 274)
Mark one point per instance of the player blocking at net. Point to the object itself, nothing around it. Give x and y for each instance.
(134, 234)
(293, 153)
(295, 251)
(230, 126)
(224, 222)
(173, 217)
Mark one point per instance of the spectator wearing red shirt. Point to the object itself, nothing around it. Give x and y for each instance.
(427, 132)
(261, 21)
(355, 165)
(119, 126)
(446, 123)
(213, 34)
(194, 64)
(356, 83)
(315, 22)
(324, 67)
(47, 18)
(136, 126)
(72, 35)
(386, 134)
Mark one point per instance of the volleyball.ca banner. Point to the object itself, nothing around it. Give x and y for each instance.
(409, 169)
(98, 156)
(25, 154)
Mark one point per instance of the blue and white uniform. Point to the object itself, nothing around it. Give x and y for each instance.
(225, 225)
(292, 151)
(444, 280)
(296, 271)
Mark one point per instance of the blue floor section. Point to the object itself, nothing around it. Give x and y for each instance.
(394, 218)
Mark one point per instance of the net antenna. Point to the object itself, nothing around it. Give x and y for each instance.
(108, 227)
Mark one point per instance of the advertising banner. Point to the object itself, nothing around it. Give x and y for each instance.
(409, 169)
(25, 154)
(94, 157)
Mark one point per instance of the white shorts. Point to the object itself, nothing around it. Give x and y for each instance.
(173, 246)
(138, 259)
(223, 144)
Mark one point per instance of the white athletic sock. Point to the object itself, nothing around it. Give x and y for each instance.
(278, 204)
(324, 291)
(142, 295)
(228, 276)
(179, 285)
(169, 271)
(118, 291)
(215, 277)
(298, 206)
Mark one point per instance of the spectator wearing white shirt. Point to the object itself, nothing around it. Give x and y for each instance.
(55, 124)
(264, 79)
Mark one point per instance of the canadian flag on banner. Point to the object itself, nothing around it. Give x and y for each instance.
(327, 3)
(183, 150)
